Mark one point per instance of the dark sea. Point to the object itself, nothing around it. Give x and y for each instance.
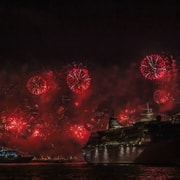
(83, 171)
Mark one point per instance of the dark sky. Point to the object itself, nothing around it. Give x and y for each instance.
(92, 32)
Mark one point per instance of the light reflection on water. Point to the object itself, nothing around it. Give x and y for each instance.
(159, 173)
(83, 171)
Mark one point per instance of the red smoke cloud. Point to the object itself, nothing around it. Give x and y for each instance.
(59, 121)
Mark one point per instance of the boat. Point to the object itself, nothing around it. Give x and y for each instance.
(8, 155)
(148, 141)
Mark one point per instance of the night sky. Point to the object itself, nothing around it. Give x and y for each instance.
(107, 39)
(106, 33)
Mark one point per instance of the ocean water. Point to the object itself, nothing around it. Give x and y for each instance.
(84, 171)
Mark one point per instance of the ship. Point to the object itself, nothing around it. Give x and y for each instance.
(8, 155)
(151, 140)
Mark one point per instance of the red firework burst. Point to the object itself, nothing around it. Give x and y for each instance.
(37, 85)
(153, 67)
(78, 80)
(161, 96)
(79, 132)
(126, 117)
(15, 124)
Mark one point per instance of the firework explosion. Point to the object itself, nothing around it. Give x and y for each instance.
(37, 85)
(15, 124)
(153, 67)
(78, 80)
(127, 117)
(161, 96)
(79, 132)
(39, 124)
(166, 92)
(40, 115)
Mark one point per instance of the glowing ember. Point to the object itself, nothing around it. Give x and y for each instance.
(37, 85)
(76, 104)
(79, 132)
(40, 131)
(60, 110)
(153, 67)
(37, 133)
(78, 80)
